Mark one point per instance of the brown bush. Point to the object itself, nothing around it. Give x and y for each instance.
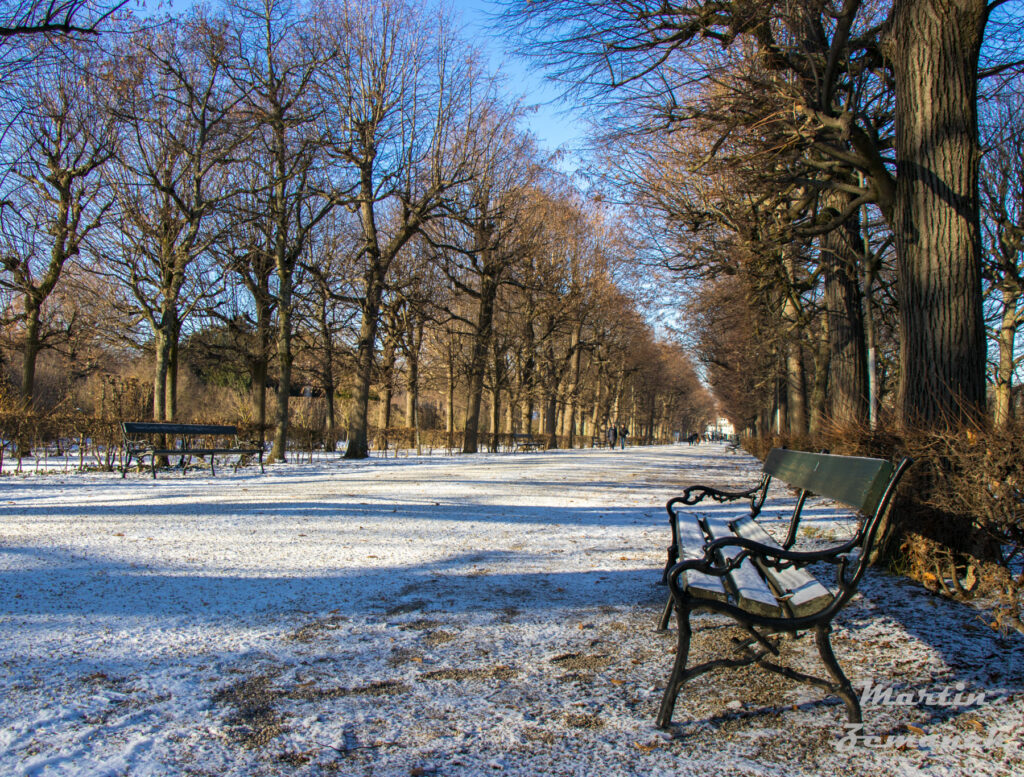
(957, 524)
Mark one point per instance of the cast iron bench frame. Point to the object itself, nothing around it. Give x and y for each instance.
(737, 569)
(138, 445)
(526, 442)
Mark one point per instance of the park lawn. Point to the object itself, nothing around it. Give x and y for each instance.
(486, 614)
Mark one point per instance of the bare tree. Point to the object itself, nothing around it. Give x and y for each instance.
(178, 131)
(407, 105)
(54, 196)
(277, 53)
(492, 223)
(1002, 185)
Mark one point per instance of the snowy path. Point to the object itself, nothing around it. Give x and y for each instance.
(484, 614)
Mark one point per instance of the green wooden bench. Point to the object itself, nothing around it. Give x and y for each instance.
(162, 438)
(736, 568)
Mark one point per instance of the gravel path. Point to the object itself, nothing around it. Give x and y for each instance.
(455, 616)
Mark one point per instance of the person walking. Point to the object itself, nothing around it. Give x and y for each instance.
(611, 436)
(623, 434)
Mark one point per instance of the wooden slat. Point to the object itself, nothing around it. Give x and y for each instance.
(691, 546)
(853, 480)
(804, 594)
(752, 592)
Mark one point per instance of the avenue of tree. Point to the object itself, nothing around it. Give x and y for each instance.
(337, 202)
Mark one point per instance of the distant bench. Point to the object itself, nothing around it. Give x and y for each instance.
(526, 442)
(155, 439)
(731, 565)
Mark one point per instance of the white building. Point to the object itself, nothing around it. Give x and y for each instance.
(721, 427)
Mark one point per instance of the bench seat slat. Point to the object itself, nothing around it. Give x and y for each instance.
(691, 544)
(807, 594)
(752, 593)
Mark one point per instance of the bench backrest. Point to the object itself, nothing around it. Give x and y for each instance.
(853, 480)
(167, 427)
(863, 483)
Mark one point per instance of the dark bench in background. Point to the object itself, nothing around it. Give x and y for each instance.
(156, 439)
(734, 567)
(526, 442)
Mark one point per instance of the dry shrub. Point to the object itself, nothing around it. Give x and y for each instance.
(957, 524)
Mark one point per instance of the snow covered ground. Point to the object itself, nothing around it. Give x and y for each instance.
(489, 614)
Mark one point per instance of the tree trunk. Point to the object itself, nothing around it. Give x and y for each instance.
(171, 410)
(278, 450)
(848, 379)
(796, 388)
(819, 391)
(30, 351)
(572, 412)
(934, 47)
(162, 343)
(550, 410)
(327, 376)
(358, 438)
(1003, 411)
(478, 361)
(450, 411)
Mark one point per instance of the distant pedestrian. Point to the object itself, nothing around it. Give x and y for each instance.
(611, 436)
(623, 434)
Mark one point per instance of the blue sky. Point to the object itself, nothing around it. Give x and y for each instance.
(554, 124)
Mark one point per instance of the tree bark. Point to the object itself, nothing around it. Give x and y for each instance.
(934, 47)
(1003, 410)
(30, 351)
(278, 450)
(358, 440)
(478, 360)
(848, 380)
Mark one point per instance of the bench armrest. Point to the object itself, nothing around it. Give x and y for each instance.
(694, 494)
(774, 555)
(770, 555)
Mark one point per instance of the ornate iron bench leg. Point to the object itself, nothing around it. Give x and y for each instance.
(843, 688)
(675, 682)
(666, 614)
(673, 553)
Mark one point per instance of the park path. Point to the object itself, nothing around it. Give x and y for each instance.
(435, 615)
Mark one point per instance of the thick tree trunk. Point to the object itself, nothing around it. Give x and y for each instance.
(358, 432)
(30, 351)
(819, 391)
(550, 428)
(162, 355)
(934, 47)
(172, 376)
(478, 361)
(796, 389)
(848, 381)
(572, 412)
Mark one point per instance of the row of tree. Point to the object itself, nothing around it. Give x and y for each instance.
(815, 174)
(326, 197)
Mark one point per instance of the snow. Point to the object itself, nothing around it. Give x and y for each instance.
(486, 614)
